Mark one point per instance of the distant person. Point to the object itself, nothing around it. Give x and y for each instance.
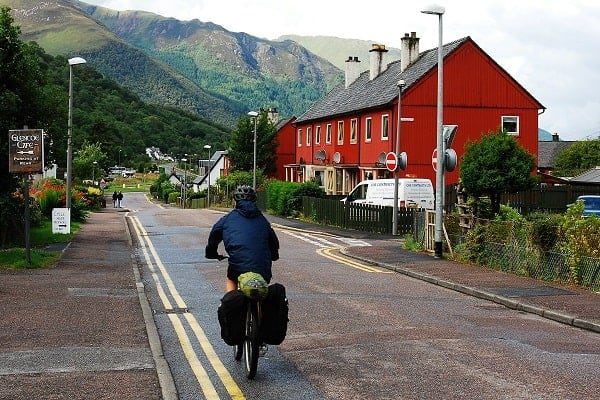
(115, 197)
(120, 198)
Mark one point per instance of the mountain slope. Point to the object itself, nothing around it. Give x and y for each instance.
(250, 71)
(61, 28)
(337, 50)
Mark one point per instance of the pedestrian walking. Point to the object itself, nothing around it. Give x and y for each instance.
(115, 196)
(120, 198)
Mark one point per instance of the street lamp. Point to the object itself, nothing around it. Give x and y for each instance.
(94, 172)
(72, 61)
(207, 147)
(439, 175)
(120, 157)
(183, 186)
(254, 115)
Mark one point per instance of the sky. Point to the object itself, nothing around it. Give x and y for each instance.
(551, 47)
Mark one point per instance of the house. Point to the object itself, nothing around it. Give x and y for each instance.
(548, 151)
(591, 177)
(214, 168)
(286, 154)
(343, 138)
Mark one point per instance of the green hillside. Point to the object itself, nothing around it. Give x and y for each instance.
(337, 50)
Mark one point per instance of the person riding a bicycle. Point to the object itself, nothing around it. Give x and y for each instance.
(248, 238)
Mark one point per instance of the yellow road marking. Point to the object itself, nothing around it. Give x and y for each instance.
(329, 253)
(207, 387)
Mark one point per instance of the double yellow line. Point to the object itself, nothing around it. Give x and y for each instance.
(186, 344)
(331, 253)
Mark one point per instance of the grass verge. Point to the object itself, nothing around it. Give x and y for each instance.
(16, 259)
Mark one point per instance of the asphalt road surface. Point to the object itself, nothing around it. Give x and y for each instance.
(355, 332)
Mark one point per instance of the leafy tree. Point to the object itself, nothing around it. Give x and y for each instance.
(496, 164)
(578, 158)
(241, 151)
(23, 101)
(83, 162)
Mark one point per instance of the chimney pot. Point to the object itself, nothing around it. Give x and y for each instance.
(409, 50)
(376, 60)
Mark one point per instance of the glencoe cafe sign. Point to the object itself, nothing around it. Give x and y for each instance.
(25, 151)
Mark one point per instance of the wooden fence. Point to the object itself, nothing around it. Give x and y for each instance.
(363, 217)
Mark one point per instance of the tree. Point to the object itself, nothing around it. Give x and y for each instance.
(577, 158)
(241, 151)
(83, 162)
(494, 165)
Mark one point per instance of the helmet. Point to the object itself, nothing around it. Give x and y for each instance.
(253, 285)
(244, 192)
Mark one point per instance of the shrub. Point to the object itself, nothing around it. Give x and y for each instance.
(545, 229)
(172, 197)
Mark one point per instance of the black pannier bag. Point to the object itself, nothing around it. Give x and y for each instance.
(274, 315)
(232, 317)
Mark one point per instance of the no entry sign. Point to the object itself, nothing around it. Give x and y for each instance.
(391, 161)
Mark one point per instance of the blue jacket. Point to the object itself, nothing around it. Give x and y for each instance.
(249, 240)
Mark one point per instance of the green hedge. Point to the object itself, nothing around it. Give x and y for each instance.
(285, 198)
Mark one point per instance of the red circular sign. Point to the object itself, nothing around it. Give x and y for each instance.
(434, 160)
(391, 161)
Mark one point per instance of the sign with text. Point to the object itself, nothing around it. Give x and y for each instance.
(25, 151)
(61, 220)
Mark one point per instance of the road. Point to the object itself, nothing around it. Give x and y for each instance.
(355, 332)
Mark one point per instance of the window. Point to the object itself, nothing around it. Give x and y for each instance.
(353, 130)
(368, 127)
(308, 135)
(299, 137)
(510, 125)
(385, 127)
(340, 136)
(318, 134)
(328, 134)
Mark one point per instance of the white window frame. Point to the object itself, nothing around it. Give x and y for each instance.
(300, 137)
(308, 135)
(353, 131)
(505, 117)
(386, 118)
(328, 134)
(318, 134)
(340, 132)
(368, 129)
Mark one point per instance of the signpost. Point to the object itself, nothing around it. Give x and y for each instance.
(434, 160)
(391, 161)
(25, 149)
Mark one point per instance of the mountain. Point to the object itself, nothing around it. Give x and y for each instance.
(337, 50)
(250, 71)
(61, 28)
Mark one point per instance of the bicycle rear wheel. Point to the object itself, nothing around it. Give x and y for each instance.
(251, 341)
(238, 351)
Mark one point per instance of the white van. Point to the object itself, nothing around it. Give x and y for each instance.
(412, 193)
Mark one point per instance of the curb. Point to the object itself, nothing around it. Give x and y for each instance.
(482, 294)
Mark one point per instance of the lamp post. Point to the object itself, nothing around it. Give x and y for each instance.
(183, 186)
(94, 172)
(401, 84)
(208, 147)
(120, 157)
(439, 176)
(254, 115)
(72, 61)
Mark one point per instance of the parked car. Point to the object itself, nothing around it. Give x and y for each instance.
(591, 205)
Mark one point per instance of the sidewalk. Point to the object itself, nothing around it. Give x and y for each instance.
(566, 304)
(76, 331)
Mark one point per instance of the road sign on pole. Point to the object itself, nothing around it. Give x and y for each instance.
(391, 161)
(434, 160)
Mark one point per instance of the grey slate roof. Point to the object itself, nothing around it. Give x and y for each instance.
(548, 151)
(365, 93)
(589, 176)
(282, 123)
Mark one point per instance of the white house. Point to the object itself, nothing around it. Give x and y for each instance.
(217, 166)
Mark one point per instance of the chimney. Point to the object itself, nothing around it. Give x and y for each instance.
(377, 62)
(352, 70)
(409, 50)
(273, 115)
(555, 137)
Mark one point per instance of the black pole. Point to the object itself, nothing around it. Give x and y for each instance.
(27, 241)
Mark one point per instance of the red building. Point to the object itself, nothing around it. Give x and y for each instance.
(342, 139)
(286, 149)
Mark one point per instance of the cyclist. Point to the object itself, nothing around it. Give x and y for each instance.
(248, 237)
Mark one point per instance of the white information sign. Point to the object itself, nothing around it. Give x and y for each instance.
(61, 220)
